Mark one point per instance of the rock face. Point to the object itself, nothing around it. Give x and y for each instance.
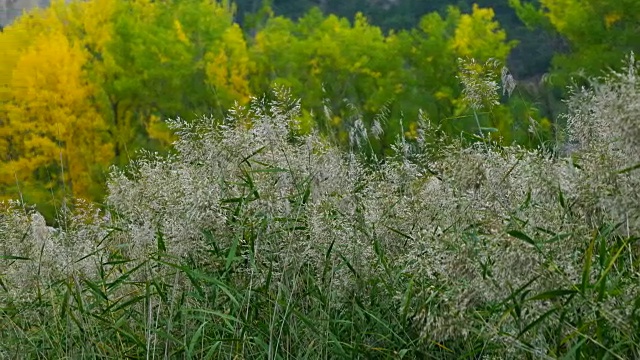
(11, 9)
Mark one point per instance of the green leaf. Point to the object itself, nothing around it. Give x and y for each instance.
(404, 235)
(537, 321)
(611, 263)
(571, 354)
(629, 169)
(552, 294)
(586, 269)
(246, 158)
(407, 301)
(13, 257)
(556, 238)
(327, 262)
(524, 237)
(160, 239)
(561, 199)
(231, 256)
(95, 289)
(346, 261)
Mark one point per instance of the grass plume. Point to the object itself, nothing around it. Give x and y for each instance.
(250, 241)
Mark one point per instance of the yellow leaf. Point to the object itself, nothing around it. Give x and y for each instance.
(612, 18)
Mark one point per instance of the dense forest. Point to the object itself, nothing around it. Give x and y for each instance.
(85, 85)
(530, 58)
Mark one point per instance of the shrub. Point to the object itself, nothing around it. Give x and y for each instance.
(254, 241)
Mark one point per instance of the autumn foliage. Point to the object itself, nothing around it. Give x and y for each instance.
(84, 85)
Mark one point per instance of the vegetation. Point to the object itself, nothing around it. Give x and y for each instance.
(174, 185)
(124, 67)
(88, 83)
(598, 32)
(253, 240)
(119, 65)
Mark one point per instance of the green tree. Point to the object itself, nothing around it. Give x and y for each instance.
(90, 82)
(599, 32)
(334, 66)
(432, 51)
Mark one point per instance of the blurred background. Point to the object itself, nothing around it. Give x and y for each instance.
(85, 85)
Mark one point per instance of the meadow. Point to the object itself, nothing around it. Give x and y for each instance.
(251, 241)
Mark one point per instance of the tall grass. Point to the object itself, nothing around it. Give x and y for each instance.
(250, 241)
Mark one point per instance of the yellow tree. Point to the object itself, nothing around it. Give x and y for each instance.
(228, 66)
(88, 82)
(14, 39)
(52, 135)
(480, 37)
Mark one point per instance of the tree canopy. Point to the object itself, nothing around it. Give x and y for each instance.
(86, 84)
